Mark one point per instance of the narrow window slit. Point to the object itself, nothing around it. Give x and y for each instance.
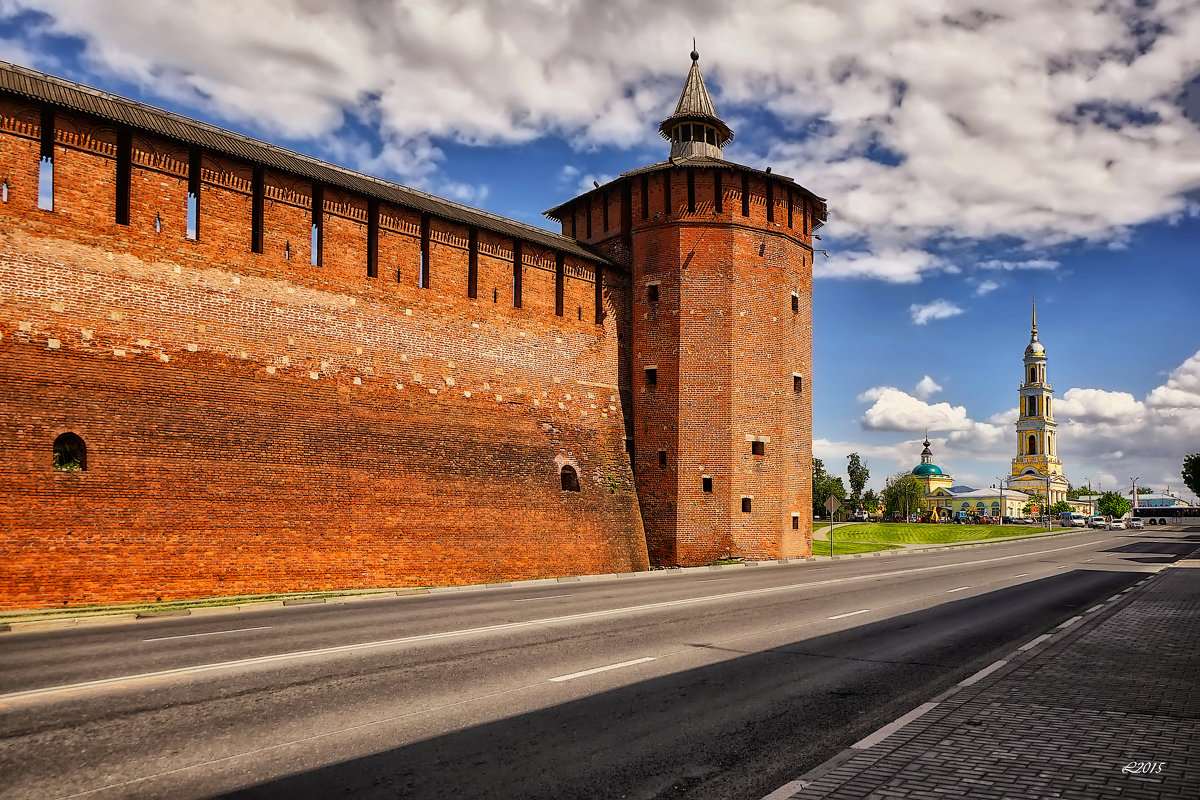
(193, 198)
(45, 200)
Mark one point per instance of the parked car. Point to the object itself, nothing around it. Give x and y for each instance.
(1136, 523)
(1117, 524)
(1097, 522)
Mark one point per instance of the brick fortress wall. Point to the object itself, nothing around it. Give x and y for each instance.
(257, 423)
(726, 250)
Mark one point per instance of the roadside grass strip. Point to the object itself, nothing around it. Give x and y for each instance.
(925, 533)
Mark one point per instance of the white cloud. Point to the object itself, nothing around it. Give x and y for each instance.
(995, 123)
(986, 287)
(938, 309)
(1098, 405)
(893, 265)
(1182, 389)
(1043, 264)
(897, 410)
(1104, 435)
(927, 387)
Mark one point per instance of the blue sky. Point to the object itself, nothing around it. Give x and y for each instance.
(973, 154)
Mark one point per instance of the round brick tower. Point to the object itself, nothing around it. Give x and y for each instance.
(719, 340)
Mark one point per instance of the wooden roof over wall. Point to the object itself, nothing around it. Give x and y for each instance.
(48, 89)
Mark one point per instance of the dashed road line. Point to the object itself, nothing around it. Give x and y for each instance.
(210, 633)
(983, 673)
(887, 730)
(849, 614)
(294, 655)
(547, 597)
(1035, 642)
(959, 589)
(595, 670)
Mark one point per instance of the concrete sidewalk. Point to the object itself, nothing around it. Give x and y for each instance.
(1106, 705)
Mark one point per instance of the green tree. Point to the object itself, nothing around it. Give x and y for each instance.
(824, 485)
(1112, 504)
(859, 474)
(870, 501)
(1191, 472)
(1061, 507)
(904, 493)
(1036, 500)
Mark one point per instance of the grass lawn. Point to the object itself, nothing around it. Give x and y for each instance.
(841, 548)
(918, 533)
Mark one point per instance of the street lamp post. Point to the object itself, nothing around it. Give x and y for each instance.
(1046, 510)
(1003, 510)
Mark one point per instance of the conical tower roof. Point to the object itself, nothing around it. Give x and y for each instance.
(695, 129)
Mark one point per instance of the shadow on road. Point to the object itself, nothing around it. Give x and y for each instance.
(736, 729)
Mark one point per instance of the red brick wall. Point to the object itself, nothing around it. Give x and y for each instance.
(726, 343)
(255, 423)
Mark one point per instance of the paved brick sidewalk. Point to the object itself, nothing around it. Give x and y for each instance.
(1064, 717)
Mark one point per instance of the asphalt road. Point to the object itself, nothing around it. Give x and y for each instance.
(711, 684)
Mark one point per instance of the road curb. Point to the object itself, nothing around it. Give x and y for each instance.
(116, 616)
(1075, 626)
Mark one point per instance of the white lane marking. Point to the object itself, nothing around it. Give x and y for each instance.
(547, 597)
(849, 614)
(1094, 608)
(429, 637)
(887, 730)
(787, 790)
(711, 580)
(210, 633)
(594, 670)
(959, 589)
(1022, 575)
(1035, 642)
(983, 673)
(1069, 622)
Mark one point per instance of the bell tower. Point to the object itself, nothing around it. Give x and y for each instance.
(719, 258)
(1036, 467)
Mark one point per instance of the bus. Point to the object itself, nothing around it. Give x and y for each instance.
(1169, 515)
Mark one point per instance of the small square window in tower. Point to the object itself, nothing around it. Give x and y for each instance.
(706, 483)
(797, 382)
(746, 505)
(795, 522)
(651, 377)
(795, 302)
(662, 458)
(758, 448)
(652, 293)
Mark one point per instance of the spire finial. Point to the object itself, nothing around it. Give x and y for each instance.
(1034, 330)
(695, 130)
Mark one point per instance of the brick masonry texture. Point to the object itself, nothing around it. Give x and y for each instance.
(285, 418)
(725, 345)
(256, 423)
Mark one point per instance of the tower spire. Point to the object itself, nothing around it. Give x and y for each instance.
(1033, 331)
(695, 130)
